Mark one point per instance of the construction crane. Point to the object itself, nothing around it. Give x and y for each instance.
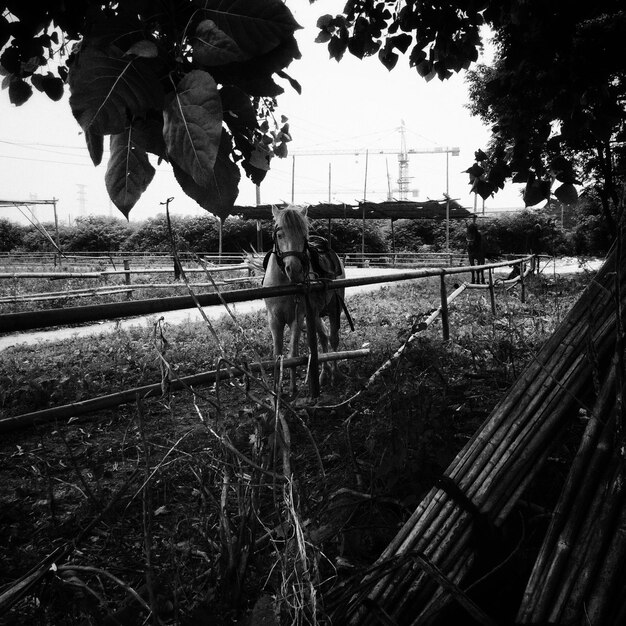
(403, 157)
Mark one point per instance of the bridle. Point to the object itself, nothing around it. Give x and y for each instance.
(302, 256)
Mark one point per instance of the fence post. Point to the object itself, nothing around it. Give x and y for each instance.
(492, 292)
(445, 324)
(523, 284)
(311, 331)
(127, 276)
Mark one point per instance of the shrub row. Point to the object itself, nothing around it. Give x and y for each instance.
(508, 234)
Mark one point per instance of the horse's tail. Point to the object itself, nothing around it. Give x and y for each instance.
(346, 311)
(255, 261)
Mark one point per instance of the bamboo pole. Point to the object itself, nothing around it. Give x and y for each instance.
(492, 293)
(413, 337)
(103, 291)
(127, 278)
(445, 323)
(586, 559)
(434, 504)
(609, 581)
(585, 463)
(311, 331)
(514, 415)
(112, 289)
(130, 395)
(124, 272)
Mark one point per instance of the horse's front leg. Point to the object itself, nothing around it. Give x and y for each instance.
(294, 341)
(277, 329)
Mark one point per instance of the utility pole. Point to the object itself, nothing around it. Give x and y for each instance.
(330, 178)
(447, 204)
(259, 232)
(367, 154)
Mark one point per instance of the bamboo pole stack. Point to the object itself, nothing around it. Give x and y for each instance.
(581, 563)
(498, 463)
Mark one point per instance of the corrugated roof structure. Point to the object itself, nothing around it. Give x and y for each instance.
(431, 209)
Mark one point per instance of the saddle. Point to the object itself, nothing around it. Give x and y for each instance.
(324, 260)
(325, 263)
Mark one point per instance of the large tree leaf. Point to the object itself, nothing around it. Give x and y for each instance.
(148, 134)
(128, 172)
(483, 188)
(211, 46)
(255, 76)
(106, 87)
(239, 113)
(566, 193)
(49, 84)
(95, 146)
(536, 191)
(256, 27)
(218, 195)
(19, 91)
(5, 31)
(193, 125)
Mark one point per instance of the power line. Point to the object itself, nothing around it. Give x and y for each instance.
(16, 158)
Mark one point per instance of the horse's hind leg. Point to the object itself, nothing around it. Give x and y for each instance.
(322, 335)
(334, 318)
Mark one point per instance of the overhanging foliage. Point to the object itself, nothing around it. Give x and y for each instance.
(190, 81)
(554, 97)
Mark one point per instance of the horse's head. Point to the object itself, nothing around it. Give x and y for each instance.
(472, 234)
(291, 233)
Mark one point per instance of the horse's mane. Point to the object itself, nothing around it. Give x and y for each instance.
(292, 220)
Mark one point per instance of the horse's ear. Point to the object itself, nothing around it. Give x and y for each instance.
(304, 211)
(275, 211)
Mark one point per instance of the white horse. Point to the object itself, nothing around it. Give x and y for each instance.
(291, 260)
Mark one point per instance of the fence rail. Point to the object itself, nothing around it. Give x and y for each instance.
(114, 259)
(164, 259)
(124, 272)
(12, 322)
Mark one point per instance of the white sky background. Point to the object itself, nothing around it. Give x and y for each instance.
(350, 105)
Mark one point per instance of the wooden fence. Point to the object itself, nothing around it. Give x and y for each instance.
(126, 272)
(14, 322)
(156, 259)
(113, 259)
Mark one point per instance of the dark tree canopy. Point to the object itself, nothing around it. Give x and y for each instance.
(190, 81)
(554, 98)
(193, 82)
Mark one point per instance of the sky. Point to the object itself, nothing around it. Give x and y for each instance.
(348, 112)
